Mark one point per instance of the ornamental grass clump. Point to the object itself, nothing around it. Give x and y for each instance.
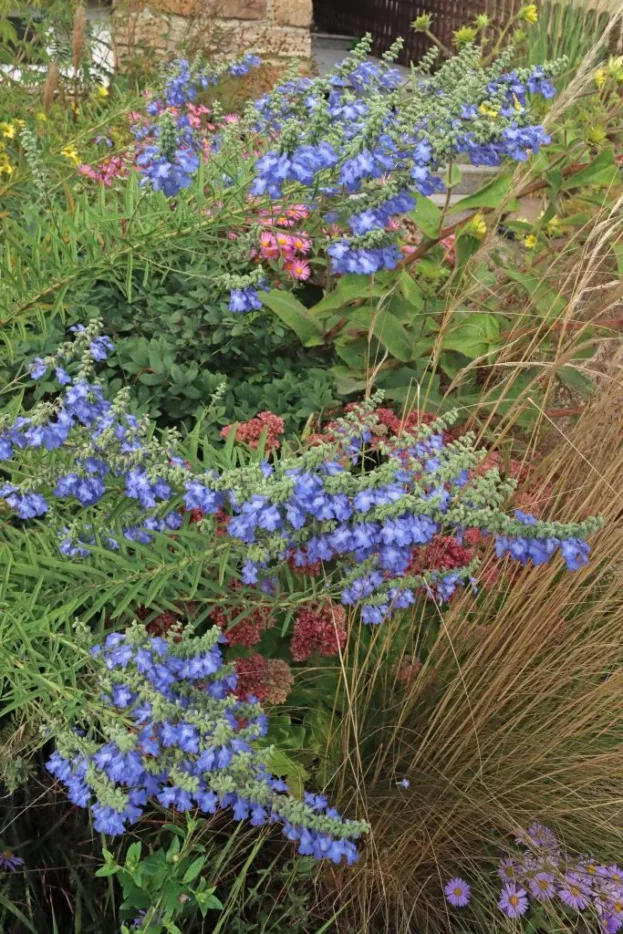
(170, 729)
(362, 515)
(511, 715)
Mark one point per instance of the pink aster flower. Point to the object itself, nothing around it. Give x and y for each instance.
(297, 211)
(513, 901)
(268, 245)
(458, 892)
(300, 243)
(299, 269)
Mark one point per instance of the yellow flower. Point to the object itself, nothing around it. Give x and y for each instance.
(488, 111)
(612, 69)
(477, 227)
(6, 168)
(43, 118)
(530, 242)
(8, 130)
(71, 153)
(102, 91)
(552, 228)
(596, 135)
(482, 21)
(529, 13)
(422, 23)
(464, 35)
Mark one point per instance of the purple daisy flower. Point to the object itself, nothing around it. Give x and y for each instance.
(615, 874)
(542, 886)
(507, 870)
(542, 836)
(513, 901)
(574, 893)
(458, 892)
(612, 917)
(9, 861)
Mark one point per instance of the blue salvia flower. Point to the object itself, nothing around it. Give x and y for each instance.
(179, 694)
(364, 528)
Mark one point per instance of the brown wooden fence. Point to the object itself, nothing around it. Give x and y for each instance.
(389, 19)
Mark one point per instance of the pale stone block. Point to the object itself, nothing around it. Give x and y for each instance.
(293, 12)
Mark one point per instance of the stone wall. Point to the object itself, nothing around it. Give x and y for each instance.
(277, 29)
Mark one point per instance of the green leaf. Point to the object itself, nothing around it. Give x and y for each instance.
(152, 379)
(295, 316)
(477, 335)
(548, 302)
(555, 179)
(575, 380)
(427, 216)
(466, 247)
(348, 381)
(108, 869)
(452, 176)
(602, 172)
(174, 848)
(387, 329)
(133, 855)
(410, 290)
(353, 352)
(207, 901)
(489, 196)
(282, 765)
(348, 289)
(618, 253)
(8, 904)
(193, 870)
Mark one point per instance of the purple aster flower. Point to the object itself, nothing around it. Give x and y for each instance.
(611, 923)
(615, 874)
(513, 900)
(574, 893)
(542, 886)
(9, 861)
(458, 892)
(543, 836)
